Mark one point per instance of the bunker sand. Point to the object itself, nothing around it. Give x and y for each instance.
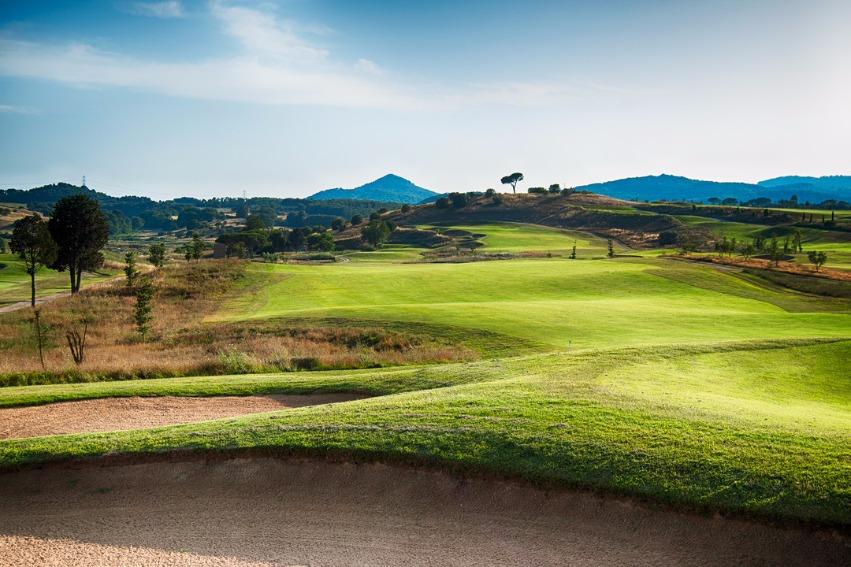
(265, 512)
(113, 414)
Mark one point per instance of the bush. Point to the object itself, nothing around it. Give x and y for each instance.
(459, 200)
(555, 188)
(406, 208)
(538, 190)
(304, 363)
(442, 203)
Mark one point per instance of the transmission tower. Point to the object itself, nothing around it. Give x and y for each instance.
(84, 181)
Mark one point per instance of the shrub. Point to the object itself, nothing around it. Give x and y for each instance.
(537, 190)
(442, 203)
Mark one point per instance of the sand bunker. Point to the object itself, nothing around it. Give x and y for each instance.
(298, 512)
(111, 414)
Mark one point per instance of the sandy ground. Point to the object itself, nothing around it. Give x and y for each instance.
(301, 512)
(112, 414)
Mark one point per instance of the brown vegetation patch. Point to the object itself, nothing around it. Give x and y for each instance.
(181, 343)
(768, 265)
(114, 414)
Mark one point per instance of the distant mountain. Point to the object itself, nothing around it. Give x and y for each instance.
(390, 188)
(827, 184)
(676, 188)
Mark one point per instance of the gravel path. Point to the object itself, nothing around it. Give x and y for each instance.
(112, 414)
(266, 512)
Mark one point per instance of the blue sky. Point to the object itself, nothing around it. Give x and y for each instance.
(210, 98)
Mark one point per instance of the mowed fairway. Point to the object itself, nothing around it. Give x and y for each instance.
(518, 238)
(15, 282)
(550, 302)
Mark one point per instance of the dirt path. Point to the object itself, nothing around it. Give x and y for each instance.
(111, 414)
(299, 512)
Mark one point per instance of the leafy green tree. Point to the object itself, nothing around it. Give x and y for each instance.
(406, 208)
(747, 250)
(611, 249)
(356, 220)
(537, 190)
(322, 241)
(193, 250)
(338, 224)
(255, 222)
(442, 203)
(512, 180)
(555, 188)
(818, 259)
(79, 228)
(32, 242)
(459, 200)
(130, 270)
(573, 251)
(156, 254)
(774, 252)
(376, 233)
(142, 312)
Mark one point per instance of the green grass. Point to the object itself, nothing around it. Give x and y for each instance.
(589, 303)
(680, 425)
(15, 282)
(516, 238)
(684, 383)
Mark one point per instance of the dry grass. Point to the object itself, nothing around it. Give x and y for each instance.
(181, 344)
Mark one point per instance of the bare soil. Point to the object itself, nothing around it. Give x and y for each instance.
(266, 512)
(112, 414)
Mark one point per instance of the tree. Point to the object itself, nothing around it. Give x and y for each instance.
(356, 220)
(376, 233)
(322, 241)
(537, 190)
(255, 222)
(713, 200)
(817, 258)
(573, 251)
(512, 180)
(555, 188)
(130, 270)
(142, 311)
(442, 203)
(406, 208)
(747, 250)
(32, 242)
(459, 200)
(796, 241)
(729, 201)
(338, 224)
(79, 228)
(774, 251)
(194, 249)
(156, 254)
(611, 249)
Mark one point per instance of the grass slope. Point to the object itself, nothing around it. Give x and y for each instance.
(15, 282)
(678, 424)
(591, 303)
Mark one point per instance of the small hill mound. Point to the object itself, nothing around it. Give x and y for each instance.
(390, 188)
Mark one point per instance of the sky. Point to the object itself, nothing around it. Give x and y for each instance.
(216, 97)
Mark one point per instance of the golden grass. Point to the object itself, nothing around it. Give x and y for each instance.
(180, 343)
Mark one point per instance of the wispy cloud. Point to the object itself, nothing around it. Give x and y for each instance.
(277, 61)
(14, 109)
(166, 9)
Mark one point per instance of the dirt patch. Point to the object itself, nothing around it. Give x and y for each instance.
(112, 414)
(302, 512)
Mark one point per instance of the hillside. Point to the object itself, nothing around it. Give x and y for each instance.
(390, 188)
(677, 188)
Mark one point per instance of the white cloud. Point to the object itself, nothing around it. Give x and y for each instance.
(244, 78)
(370, 67)
(261, 33)
(165, 10)
(13, 109)
(275, 64)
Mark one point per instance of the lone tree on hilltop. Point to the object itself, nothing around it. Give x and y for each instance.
(79, 228)
(32, 242)
(817, 258)
(512, 180)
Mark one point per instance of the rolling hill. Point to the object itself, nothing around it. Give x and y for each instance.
(390, 188)
(677, 188)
